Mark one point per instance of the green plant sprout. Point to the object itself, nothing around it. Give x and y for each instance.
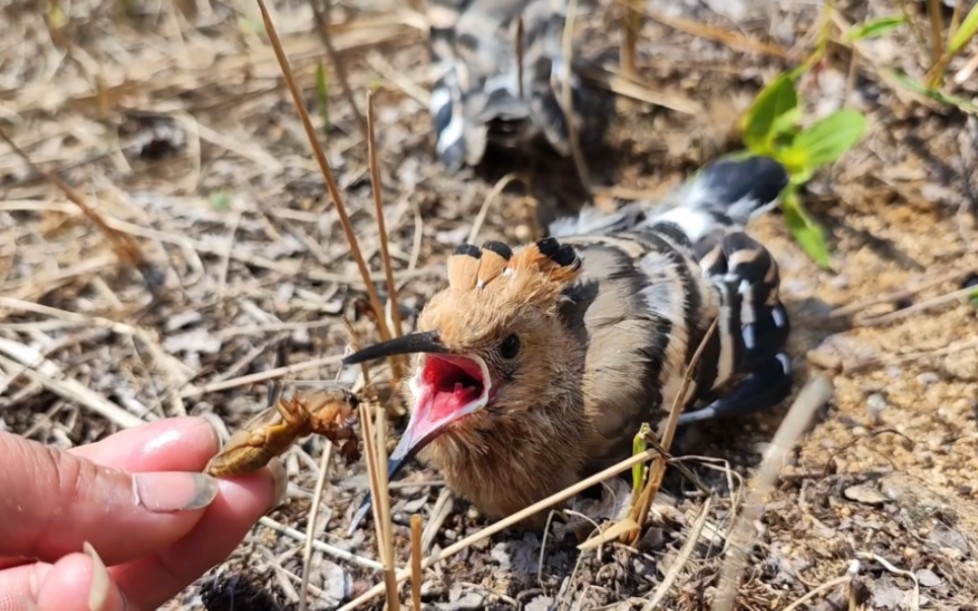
(639, 446)
(773, 127)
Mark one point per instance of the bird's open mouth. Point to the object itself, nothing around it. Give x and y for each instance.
(449, 387)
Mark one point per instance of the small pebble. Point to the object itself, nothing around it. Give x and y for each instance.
(875, 404)
(450, 534)
(928, 377)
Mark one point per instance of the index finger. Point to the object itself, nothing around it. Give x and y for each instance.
(54, 501)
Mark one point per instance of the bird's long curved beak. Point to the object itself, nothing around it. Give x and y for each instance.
(412, 343)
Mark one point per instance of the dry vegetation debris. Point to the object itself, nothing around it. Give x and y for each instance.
(173, 120)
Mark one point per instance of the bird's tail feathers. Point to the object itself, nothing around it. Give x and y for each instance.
(724, 194)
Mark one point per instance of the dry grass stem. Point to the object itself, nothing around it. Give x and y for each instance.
(326, 170)
(261, 376)
(491, 196)
(567, 100)
(505, 523)
(685, 553)
(322, 15)
(37, 368)
(631, 26)
(416, 574)
(960, 295)
(598, 76)
(326, 548)
(125, 247)
(379, 508)
(317, 499)
(826, 587)
(936, 30)
(898, 294)
(814, 395)
(397, 362)
(734, 40)
(886, 564)
(640, 509)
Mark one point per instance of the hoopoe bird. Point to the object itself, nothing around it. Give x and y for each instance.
(499, 71)
(537, 365)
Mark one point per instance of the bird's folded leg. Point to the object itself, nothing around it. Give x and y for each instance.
(763, 388)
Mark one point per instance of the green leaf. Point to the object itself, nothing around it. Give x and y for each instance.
(875, 28)
(963, 104)
(965, 31)
(765, 119)
(809, 234)
(828, 139)
(220, 200)
(322, 94)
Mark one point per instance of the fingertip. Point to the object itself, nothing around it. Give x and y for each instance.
(78, 581)
(240, 502)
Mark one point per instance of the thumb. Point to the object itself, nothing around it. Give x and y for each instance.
(78, 582)
(54, 501)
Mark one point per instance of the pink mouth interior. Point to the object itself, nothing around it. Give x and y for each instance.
(451, 383)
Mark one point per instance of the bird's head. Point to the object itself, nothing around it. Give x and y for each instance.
(492, 343)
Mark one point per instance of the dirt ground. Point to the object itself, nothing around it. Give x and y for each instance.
(173, 120)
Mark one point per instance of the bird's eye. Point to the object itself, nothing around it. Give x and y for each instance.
(510, 347)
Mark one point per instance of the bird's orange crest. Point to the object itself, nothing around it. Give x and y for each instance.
(545, 263)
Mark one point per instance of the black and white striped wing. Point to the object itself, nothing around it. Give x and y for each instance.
(489, 87)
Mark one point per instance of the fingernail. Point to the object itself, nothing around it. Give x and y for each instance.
(280, 477)
(98, 595)
(165, 491)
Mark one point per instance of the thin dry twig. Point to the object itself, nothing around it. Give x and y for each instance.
(125, 247)
(640, 509)
(380, 509)
(815, 394)
(915, 601)
(731, 39)
(828, 585)
(901, 293)
(397, 363)
(261, 376)
(326, 548)
(631, 25)
(681, 559)
(491, 196)
(321, 15)
(416, 574)
(317, 499)
(567, 100)
(46, 373)
(959, 295)
(504, 523)
(327, 172)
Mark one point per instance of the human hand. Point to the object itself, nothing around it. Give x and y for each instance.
(124, 523)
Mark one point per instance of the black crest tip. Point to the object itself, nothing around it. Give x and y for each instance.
(565, 255)
(548, 246)
(468, 249)
(499, 248)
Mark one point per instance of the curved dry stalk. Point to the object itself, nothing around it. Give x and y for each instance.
(566, 100)
(397, 362)
(812, 396)
(317, 498)
(326, 170)
(505, 523)
(416, 561)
